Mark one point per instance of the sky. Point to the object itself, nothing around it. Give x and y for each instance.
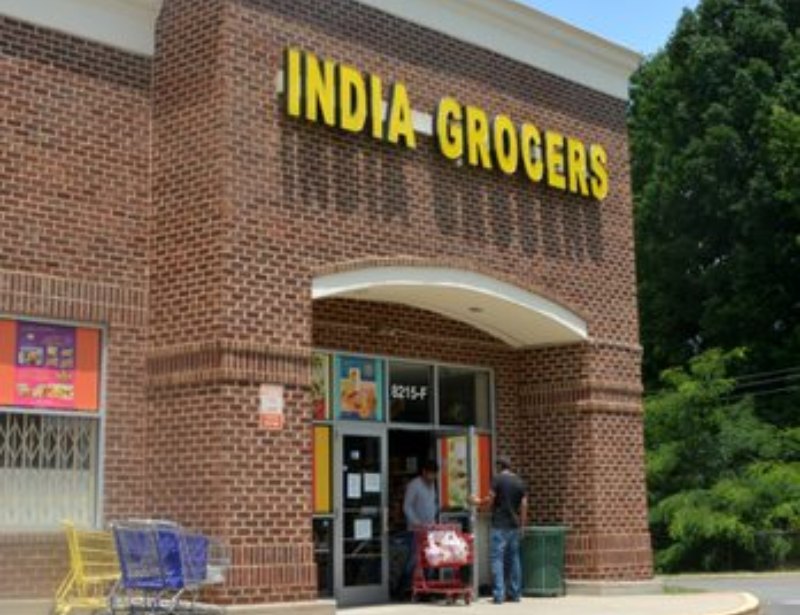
(641, 25)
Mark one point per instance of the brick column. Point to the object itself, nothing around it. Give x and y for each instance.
(229, 312)
(216, 468)
(584, 456)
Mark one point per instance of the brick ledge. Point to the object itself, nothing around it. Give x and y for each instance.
(227, 361)
(51, 296)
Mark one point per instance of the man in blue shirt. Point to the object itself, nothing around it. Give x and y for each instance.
(509, 504)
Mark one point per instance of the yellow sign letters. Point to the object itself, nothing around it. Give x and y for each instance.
(337, 95)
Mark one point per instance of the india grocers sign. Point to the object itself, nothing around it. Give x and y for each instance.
(321, 90)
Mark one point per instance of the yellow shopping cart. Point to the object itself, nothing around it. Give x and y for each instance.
(93, 571)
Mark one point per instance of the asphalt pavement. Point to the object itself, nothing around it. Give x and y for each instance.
(779, 593)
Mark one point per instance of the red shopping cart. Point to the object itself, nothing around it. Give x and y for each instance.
(445, 551)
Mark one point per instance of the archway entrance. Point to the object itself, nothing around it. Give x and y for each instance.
(405, 371)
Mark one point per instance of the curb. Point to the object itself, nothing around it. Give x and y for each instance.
(751, 606)
(667, 578)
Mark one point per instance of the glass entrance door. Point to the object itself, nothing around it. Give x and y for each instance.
(361, 571)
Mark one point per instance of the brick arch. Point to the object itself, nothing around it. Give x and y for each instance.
(450, 262)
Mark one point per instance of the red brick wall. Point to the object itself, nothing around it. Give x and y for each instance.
(582, 425)
(199, 215)
(32, 564)
(73, 240)
(337, 197)
(305, 199)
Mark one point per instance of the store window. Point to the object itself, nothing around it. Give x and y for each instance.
(410, 393)
(49, 423)
(464, 397)
(358, 388)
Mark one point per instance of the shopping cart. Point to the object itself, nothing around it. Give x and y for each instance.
(93, 571)
(164, 567)
(446, 551)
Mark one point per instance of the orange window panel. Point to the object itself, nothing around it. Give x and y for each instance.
(484, 465)
(87, 372)
(8, 345)
(321, 470)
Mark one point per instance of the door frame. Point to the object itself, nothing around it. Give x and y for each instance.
(368, 594)
(473, 514)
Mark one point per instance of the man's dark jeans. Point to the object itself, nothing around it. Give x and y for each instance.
(505, 551)
(404, 584)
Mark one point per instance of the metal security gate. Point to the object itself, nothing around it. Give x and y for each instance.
(48, 470)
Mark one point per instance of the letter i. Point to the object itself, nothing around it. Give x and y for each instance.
(376, 107)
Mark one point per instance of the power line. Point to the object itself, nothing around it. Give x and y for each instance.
(751, 376)
(795, 387)
(756, 383)
(740, 396)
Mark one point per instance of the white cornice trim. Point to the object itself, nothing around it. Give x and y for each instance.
(503, 26)
(125, 24)
(526, 35)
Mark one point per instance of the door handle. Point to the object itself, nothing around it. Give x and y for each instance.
(385, 520)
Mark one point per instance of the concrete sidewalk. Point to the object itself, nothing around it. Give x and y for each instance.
(664, 604)
(718, 603)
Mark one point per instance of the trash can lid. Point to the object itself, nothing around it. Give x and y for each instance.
(546, 529)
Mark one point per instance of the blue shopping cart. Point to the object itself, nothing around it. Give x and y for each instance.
(163, 567)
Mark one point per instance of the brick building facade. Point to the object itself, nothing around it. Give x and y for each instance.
(168, 198)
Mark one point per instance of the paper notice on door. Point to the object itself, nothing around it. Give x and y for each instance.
(372, 483)
(354, 486)
(362, 529)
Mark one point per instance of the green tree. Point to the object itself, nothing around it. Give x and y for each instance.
(715, 140)
(721, 494)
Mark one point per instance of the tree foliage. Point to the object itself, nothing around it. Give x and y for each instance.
(715, 139)
(724, 485)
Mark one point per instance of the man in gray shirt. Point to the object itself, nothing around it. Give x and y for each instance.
(420, 506)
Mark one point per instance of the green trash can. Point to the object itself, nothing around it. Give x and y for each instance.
(543, 560)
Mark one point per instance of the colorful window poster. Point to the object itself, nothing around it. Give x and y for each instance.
(466, 467)
(49, 366)
(358, 393)
(454, 474)
(320, 386)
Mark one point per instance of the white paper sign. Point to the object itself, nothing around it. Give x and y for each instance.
(353, 486)
(270, 398)
(270, 407)
(372, 483)
(362, 529)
